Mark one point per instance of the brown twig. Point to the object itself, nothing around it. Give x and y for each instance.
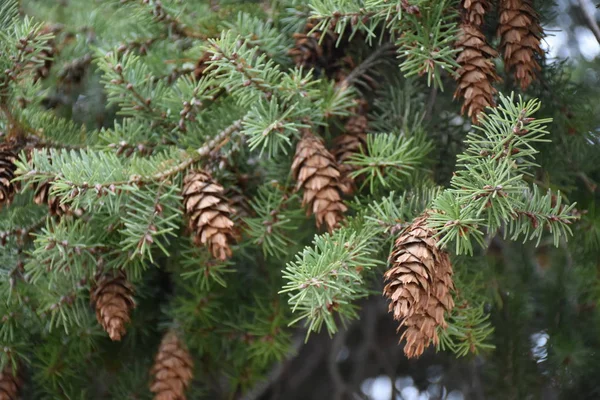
(112, 187)
(372, 60)
(591, 22)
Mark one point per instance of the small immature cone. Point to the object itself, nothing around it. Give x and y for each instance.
(10, 384)
(172, 370)
(209, 213)
(317, 174)
(113, 299)
(419, 285)
(352, 141)
(7, 173)
(520, 33)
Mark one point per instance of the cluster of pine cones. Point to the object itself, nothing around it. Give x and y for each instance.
(419, 281)
(520, 33)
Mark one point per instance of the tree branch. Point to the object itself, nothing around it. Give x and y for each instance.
(369, 62)
(586, 8)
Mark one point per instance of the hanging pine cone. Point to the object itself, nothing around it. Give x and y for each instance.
(520, 33)
(474, 11)
(7, 173)
(47, 55)
(209, 213)
(10, 384)
(201, 65)
(352, 141)
(477, 72)
(419, 283)
(307, 52)
(42, 196)
(73, 72)
(172, 370)
(239, 202)
(317, 173)
(113, 299)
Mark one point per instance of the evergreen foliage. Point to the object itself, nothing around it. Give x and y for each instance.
(139, 93)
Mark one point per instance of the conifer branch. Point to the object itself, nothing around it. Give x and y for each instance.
(325, 279)
(371, 61)
(163, 16)
(86, 167)
(487, 189)
(585, 7)
(21, 234)
(198, 106)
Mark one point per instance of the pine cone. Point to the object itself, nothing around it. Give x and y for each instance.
(306, 51)
(477, 72)
(201, 65)
(474, 11)
(346, 145)
(520, 34)
(419, 286)
(42, 196)
(113, 299)
(10, 383)
(309, 53)
(239, 202)
(209, 213)
(317, 173)
(172, 370)
(7, 174)
(47, 55)
(73, 72)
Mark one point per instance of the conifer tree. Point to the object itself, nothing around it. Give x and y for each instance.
(194, 192)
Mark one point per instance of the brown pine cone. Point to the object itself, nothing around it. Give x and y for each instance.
(474, 11)
(8, 188)
(113, 299)
(201, 65)
(353, 141)
(73, 72)
(477, 72)
(47, 55)
(520, 33)
(308, 52)
(42, 196)
(419, 285)
(172, 370)
(317, 174)
(10, 383)
(209, 213)
(239, 202)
